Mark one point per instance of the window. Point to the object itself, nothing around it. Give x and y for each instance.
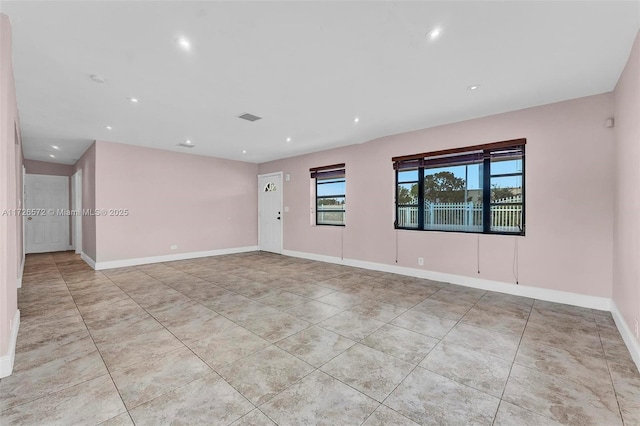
(330, 194)
(476, 189)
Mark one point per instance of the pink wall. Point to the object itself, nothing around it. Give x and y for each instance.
(10, 190)
(626, 233)
(45, 168)
(87, 163)
(569, 200)
(197, 203)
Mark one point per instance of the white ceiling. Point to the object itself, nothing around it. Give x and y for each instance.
(308, 68)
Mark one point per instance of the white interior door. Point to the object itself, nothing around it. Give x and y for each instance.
(270, 212)
(45, 230)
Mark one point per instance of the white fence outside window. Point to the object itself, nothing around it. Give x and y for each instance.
(464, 216)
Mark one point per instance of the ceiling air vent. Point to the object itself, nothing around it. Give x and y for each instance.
(186, 145)
(249, 117)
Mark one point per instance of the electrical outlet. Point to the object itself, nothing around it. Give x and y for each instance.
(421, 261)
(173, 247)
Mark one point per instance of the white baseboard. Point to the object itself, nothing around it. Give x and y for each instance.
(168, 258)
(6, 361)
(627, 335)
(89, 261)
(592, 302)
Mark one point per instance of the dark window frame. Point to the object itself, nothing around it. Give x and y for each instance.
(461, 156)
(332, 172)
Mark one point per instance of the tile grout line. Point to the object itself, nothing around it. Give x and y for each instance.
(256, 407)
(316, 368)
(127, 294)
(543, 372)
(66, 387)
(96, 346)
(61, 264)
(427, 354)
(412, 370)
(183, 343)
(388, 323)
(270, 344)
(613, 386)
(373, 332)
(495, 416)
(442, 339)
(230, 320)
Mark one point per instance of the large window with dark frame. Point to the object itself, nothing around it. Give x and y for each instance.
(477, 189)
(330, 194)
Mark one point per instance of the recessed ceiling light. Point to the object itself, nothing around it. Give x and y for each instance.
(434, 33)
(108, 127)
(288, 139)
(474, 87)
(134, 100)
(188, 142)
(52, 156)
(244, 151)
(356, 120)
(97, 78)
(55, 147)
(184, 43)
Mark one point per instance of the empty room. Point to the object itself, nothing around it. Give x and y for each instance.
(320, 213)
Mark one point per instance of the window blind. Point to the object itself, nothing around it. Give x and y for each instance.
(328, 172)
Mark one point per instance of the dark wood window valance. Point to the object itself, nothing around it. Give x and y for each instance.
(417, 160)
(334, 170)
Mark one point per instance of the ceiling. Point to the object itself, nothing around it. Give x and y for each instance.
(307, 68)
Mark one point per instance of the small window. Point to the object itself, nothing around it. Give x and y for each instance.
(478, 189)
(330, 194)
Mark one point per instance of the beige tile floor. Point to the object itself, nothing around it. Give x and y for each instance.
(262, 339)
